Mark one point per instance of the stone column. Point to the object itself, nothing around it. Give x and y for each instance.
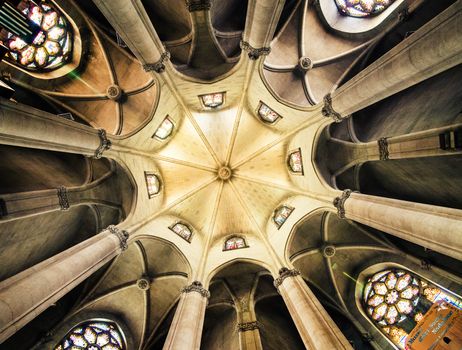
(259, 30)
(132, 23)
(25, 126)
(315, 326)
(433, 49)
(186, 329)
(249, 336)
(25, 295)
(430, 226)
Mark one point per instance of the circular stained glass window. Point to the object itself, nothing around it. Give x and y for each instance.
(362, 8)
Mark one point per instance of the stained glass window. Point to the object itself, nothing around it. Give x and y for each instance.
(182, 230)
(281, 214)
(295, 161)
(396, 300)
(235, 242)
(165, 129)
(362, 8)
(267, 115)
(51, 48)
(213, 100)
(93, 335)
(152, 184)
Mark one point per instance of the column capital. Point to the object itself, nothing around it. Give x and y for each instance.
(248, 326)
(283, 274)
(198, 5)
(196, 286)
(159, 66)
(339, 203)
(62, 197)
(383, 148)
(104, 145)
(122, 235)
(254, 53)
(328, 111)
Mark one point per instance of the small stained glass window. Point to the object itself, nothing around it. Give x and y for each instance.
(295, 161)
(182, 230)
(235, 242)
(362, 8)
(152, 184)
(213, 100)
(52, 46)
(164, 130)
(281, 214)
(93, 335)
(267, 115)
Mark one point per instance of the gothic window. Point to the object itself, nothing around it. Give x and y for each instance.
(92, 335)
(267, 115)
(362, 8)
(182, 230)
(235, 242)
(213, 100)
(52, 46)
(165, 129)
(281, 214)
(295, 161)
(152, 184)
(396, 300)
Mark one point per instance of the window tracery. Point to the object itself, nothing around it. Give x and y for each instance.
(165, 129)
(182, 230)
(93, 335)
(267, 115)
(52, 46)
(235, 242)
(152, 184)
(396, 300)
(362, 8)
(281, 214)
(213, 100)
(295, 161)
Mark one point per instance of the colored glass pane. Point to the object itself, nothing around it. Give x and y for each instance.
(213, 100)
(165, 129)
(281, 214)
(182, 230)
(362, 8)
(295, 161)
(235, 243)
(153, 184)
(267, 114)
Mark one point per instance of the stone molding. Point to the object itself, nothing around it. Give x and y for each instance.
(248, 326)
(383, 148)
(198, 5)
(158, 66)
(339, 203)
(253, 52)
(328, 111)
(122, 235)
(62, 197)
(283, 274)
(196, 286)
(105, 144)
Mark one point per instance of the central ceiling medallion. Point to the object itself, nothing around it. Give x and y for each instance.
(224, 173)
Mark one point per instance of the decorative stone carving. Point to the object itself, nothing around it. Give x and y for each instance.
(328, 110)
(196, 286)
(248, 326)
(367, 337)
(199, 5)
(339, 203)
(283, 274)
(62, 197)
(304, 65)
(121, 234)
(159, 66)
(383, 148)
(143, 284)
(425, 265)
(254, 53)
(105, 144)
(224, 173)
(114, 92)
(403, 15)
(328, 251)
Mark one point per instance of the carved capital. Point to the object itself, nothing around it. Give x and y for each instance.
(122, 235)
(62, 197)
(328, 110)
(198, 5)
(283, 274)
(383, 148)
(339, 203)
(158, 66)
(196, 286)
(254, 53)
(248, 326)
(105, 144)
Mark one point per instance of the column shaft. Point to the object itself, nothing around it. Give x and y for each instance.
(25, 295)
